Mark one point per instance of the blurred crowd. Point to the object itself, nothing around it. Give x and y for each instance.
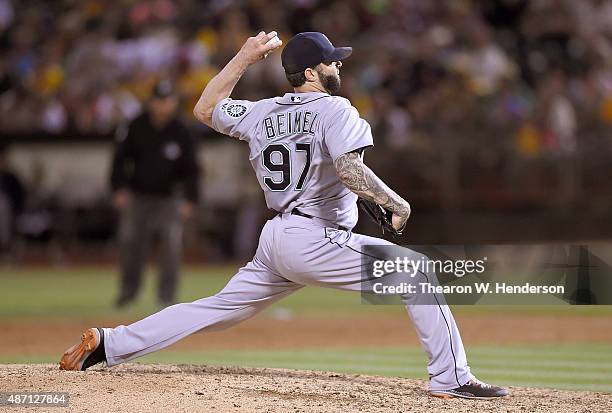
(495, 104)
(539, 69)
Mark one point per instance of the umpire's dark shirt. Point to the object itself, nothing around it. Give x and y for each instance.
(154, 161)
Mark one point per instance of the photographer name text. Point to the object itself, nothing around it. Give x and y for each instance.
(478, 288)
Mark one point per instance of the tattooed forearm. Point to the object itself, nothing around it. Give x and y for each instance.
(361, 180)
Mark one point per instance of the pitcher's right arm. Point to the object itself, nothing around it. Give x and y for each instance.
(222, 85)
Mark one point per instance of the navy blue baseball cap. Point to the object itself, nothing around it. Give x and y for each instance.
(308, 49)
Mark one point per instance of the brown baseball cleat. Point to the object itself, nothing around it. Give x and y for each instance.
(88, 352)
(474, 389)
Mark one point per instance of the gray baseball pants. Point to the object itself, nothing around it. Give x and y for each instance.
(293, 251)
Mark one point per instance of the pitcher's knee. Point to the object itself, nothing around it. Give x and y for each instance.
(224, 313)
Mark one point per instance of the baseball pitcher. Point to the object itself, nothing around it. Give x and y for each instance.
(306, 149)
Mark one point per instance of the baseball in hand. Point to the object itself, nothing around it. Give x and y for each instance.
(273, 42)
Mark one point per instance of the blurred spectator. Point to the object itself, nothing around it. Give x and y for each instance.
(154, 157)
(483, 62)
(12, 197)
(7, 14)
(558, 114)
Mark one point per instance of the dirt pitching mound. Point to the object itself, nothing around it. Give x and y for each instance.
(187, 388)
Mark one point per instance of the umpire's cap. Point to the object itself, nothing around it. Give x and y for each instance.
(308, 49)
(163, 89)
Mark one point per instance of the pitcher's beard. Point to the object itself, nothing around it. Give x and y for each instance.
(331, 83)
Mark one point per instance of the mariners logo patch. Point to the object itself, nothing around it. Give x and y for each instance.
(235, 110)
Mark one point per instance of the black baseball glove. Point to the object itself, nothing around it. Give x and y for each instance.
(379, 215)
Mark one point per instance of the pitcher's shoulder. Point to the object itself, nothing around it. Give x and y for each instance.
(336, 104)
(267, 101)
(340, 102)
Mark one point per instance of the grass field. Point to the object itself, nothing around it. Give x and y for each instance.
(67, 292)
(576, 367)
(39, 294)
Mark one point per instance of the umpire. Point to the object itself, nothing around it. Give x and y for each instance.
(154, 162)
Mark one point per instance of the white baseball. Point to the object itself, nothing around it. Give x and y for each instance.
(275, 40)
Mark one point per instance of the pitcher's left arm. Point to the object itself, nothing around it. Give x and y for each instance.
(361, 180)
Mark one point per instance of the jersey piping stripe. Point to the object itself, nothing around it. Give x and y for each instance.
(450, 337)
(300, 103)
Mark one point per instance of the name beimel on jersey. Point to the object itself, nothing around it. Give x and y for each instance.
(291, 123)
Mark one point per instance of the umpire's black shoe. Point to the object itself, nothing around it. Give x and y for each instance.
(474, 389)
(88, 352)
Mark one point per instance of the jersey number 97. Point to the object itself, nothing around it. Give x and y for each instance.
(281, 162)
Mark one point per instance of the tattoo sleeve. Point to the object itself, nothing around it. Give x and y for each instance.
(361, 180)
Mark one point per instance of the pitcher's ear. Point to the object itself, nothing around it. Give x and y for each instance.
(310, 74)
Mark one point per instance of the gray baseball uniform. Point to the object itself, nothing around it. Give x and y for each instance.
(293, 142)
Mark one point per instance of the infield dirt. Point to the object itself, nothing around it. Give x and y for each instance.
(21, 336)
(185, 388)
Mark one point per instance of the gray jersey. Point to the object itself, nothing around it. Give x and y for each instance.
(293, 142)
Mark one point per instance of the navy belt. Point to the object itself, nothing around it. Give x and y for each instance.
(302, 214)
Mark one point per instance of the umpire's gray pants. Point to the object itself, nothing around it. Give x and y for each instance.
(293, 252)
(6, 222)
(141, 219)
